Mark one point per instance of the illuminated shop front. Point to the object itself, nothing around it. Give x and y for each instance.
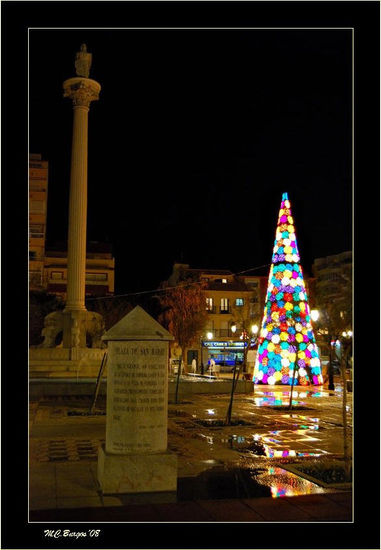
(225, 353)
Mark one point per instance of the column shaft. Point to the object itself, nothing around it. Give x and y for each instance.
(76, 262)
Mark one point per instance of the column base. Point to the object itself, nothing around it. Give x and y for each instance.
(137, 473)
(74, 328)
(80, 324)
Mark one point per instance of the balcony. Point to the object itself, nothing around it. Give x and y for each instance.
(223, 333)
(222, 311)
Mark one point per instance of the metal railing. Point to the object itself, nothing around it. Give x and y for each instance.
(222, 311)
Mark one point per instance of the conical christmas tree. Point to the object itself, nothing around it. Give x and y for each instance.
(287, 350)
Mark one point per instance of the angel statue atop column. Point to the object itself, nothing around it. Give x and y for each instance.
(83, 62)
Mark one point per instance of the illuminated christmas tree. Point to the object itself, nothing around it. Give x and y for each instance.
(287, 350)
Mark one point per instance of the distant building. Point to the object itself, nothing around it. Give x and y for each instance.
(231, 300)
(48, 268)
(100, 269)
(333, 277)
(38, 200)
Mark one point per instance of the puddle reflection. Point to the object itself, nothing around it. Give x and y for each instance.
(281, 395)
(263, 445)
(275, 401)
(286, 484)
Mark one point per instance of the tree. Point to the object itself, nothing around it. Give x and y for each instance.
(245, 322)
(287, 351)
(334, 323)
(184, 315)
(335, 316)
(112, 309)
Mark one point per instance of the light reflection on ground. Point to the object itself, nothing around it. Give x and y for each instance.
(275, 402)
(286, 484)
(289, 443)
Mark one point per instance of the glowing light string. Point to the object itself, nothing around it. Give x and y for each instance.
(165, 289)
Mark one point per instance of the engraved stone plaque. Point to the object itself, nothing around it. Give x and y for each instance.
(137, 397)
(135, 458)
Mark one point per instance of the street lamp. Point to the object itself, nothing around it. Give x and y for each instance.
(314, 314)
(233, 328)
(209, 335)
(254, 329)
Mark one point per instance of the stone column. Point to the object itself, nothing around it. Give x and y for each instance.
(82, 91)
(135, 458)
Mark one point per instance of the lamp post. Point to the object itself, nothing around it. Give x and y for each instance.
(346, 340)
(201, 358)
(233, 328)
(209, 336)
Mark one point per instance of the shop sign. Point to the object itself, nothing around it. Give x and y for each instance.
(230, 345)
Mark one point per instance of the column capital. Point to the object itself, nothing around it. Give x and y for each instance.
(82, 91)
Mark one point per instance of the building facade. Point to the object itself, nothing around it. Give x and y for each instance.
(333, 276)
(38, 201)
(100, 271)
(234, 303)
(48, 268)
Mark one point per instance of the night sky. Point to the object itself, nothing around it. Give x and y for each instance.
(195, 137)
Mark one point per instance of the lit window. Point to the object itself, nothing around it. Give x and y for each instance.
(56, 275)
(239, 301)
(36, 231)
(209, 304)
(224, 305)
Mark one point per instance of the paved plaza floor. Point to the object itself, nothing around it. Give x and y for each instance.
(265, 439)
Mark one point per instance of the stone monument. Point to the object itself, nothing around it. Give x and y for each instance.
(82, 91)
(135, 458)
(74, 322)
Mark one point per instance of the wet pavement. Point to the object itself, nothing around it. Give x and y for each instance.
(251, 455)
